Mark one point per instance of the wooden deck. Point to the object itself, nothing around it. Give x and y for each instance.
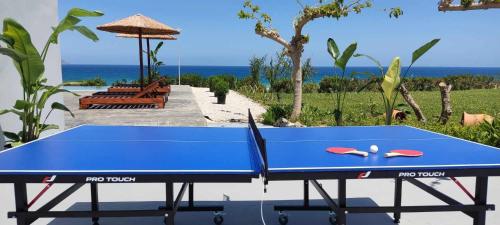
(180, 110)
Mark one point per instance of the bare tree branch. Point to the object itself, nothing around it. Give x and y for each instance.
(271, 34)
(447, 6)
(333, 9)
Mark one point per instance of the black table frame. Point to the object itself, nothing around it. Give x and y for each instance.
(168, 211)
(340, 208)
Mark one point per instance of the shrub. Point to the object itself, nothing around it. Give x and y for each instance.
(314, 116)
(310, 88)
(193, 80)
(246, 81)
(170, 80)
(329, 84)
(211, 81)
(467, 82)
(252, 89)
(282, 85)
(275, 112)
(484, 133)
(460, 82)
(165, 80)
(489, 134)
(247, 85)
(221, 87)
(119, 82)
(98, 81)
(230, 79)
(421, 84)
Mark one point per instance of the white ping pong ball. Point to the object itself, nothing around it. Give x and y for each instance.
(373, 149)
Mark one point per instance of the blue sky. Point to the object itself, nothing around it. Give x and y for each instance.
(212, 34)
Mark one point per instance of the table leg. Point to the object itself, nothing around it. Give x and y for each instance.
(341, 213)
(169, 203)
(306, 193)
(397, 198)
(21, 196)
(191, 195)
(94, 195)
(480, 199)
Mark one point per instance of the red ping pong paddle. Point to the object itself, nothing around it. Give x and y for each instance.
(341, 150)
(405, 153)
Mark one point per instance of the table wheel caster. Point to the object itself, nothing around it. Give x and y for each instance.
(332, 218)
(165, 219)
(218, 218)
(283, 218)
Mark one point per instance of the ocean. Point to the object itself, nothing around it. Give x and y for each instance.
(112, 73)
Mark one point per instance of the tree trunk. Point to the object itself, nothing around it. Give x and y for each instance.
(413, 104)
(446, 111)
(297, 78)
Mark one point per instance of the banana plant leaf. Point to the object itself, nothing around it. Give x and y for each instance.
(32, 67)
(373, 60)
(7, 40)
(22, 104)
(422, 50)
(50, 91)
(12, 136)
(14, 54)
(69, 23)
(346, 56)
(392, 79)
(333, 49)
(46, 127)
(86, 32)
(59, 106)
(158, 47)
(17, 112)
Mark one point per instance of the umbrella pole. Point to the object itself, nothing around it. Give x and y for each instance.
(141, 64)
(149, 63)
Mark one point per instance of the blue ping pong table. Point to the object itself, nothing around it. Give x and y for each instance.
(187, 155)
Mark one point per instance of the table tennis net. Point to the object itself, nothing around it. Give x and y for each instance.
(260, 143)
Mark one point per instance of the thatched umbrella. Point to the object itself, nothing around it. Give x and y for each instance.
(139, 25)
(148, 37)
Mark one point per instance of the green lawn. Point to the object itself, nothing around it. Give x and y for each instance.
(365, 108)
(359, 106)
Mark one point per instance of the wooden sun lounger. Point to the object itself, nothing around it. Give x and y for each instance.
(106, 93)
(132, 89)
(136, 88)
(127, 85)
(126, 94)
(162, 90)
(149, 96)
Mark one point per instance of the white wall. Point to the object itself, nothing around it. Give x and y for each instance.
(37, 17)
